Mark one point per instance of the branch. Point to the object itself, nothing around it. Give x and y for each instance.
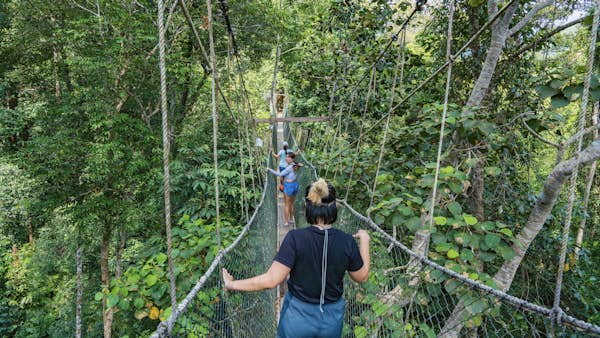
(538, 7)
(548, 35)
(492, 7)
(539, 136)
(86, 9)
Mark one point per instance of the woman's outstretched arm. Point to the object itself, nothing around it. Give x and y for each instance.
(268, 280)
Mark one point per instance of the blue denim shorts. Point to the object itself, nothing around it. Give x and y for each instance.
(300, 319)
(290, 188)
(281, 168)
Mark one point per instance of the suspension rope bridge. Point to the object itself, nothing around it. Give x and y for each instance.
(408, 295)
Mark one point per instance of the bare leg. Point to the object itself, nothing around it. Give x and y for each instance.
(291, 216)
(285, 209)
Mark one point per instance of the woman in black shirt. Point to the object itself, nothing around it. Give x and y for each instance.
(316, 259)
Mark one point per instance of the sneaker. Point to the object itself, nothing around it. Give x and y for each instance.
(281, 187)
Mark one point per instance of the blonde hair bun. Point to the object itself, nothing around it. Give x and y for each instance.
(318, 191)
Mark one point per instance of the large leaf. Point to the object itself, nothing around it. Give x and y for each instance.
(595, 94)
(573, 92)
(559, 101)
(546, 91)
(112, 300)
(491, 240)
(455, 208)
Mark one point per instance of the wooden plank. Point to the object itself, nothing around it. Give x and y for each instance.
(293, 119)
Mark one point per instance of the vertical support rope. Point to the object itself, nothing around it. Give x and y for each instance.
(166, 152)
(215, 117)
(360, 133)
(444, 110)
(399, 60)
(572, 188)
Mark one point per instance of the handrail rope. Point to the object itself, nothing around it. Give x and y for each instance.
(444, 111)
(183, 305)
(581, 126)
(439, 70)
(166, 152)
(399, 61)
(512, 300)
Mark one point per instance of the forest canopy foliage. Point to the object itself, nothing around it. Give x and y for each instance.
(81, 140)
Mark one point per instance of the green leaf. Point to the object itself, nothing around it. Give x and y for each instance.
(595, 94)
(98, 296)
(379, 308)
(414, 223)
(161, 258)
(491, 240)
(546, 91)
(124, 304)
(475, 3)
(506, 231)
(112, 300)
(440, 220)
(404, 210)
(452, 254)
(438, 238)
(493, 171)
(558, 101)
(470, 220)
(443, 247)
(486, 256)
(138, 303)
(507, 252)
(455, 187)
(455, 208)
(477, 306)
(360, 332)
(133, 278)
(572, 92)
(151, 280)
(557, 84)
(447, 170)
(473, 276)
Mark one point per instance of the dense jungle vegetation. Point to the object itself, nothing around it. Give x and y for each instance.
(81, 177)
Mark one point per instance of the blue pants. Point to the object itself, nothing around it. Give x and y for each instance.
(290, 188)
(302, 320)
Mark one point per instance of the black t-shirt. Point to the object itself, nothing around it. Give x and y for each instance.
(302, 251)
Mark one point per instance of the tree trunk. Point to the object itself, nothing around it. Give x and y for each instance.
(30, 231)
(499, 34)
(588, 187)
(537, 218)
(477, 188)
(107, 314)
(498, 39)
(15, 254)
(79, 298)
(119, 253)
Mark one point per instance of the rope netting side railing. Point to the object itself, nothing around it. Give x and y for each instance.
(409, 295)
(207, 311)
